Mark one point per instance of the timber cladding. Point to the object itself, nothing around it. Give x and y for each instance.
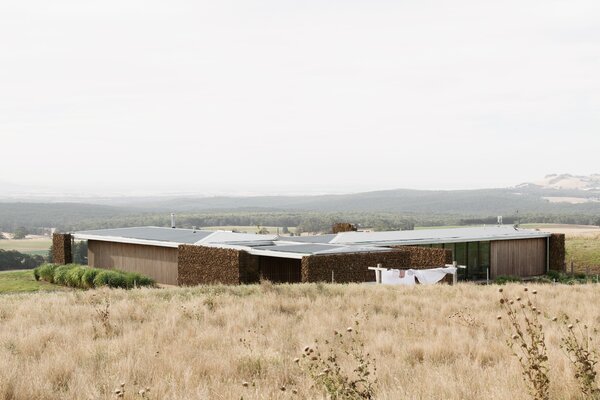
(425, 257)
(523, 257)
(351, 267)
(159, 263)
(201, 265)
(557, 252)
(61, 249)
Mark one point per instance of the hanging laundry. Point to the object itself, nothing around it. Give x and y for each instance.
(432, 276)
(397, 277)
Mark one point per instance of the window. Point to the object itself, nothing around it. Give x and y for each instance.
(484, 254)
(460, 253)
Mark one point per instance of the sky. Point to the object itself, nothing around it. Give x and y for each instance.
(296, 96)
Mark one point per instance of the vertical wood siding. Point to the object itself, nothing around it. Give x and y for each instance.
(159, 263)
(524, 257)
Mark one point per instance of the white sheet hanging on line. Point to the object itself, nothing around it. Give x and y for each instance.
(394, 277)
(432, 276)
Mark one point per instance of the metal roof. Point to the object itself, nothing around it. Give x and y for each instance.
(309, 239)
(318, 248)
(146, 233)
(432, 236)
(345, 242)
(238, 237)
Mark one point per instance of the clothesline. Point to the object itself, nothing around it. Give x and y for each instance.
(411, 276)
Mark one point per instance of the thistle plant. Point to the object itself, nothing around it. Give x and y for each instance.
(326, 370)
(527, 342)
(576, 344)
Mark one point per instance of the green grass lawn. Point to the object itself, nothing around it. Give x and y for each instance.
(24, 282)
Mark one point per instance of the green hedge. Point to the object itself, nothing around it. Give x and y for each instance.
(79, 276)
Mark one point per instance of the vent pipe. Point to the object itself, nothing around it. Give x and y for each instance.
(172, 220)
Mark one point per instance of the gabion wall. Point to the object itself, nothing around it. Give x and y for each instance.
(61, 248)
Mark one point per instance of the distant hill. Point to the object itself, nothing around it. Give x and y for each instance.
(544, 201)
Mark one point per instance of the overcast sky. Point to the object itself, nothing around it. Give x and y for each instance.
(297, 96)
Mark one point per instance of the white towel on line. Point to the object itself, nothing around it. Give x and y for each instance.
(392, 277)
(424, 276)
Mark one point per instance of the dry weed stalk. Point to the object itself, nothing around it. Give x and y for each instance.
(576, 344)
(327, 372)
(527, 342)
(464, 318)
(103, 316)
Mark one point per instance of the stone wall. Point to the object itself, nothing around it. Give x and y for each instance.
(61, 248)
(198, 265)
(557, 252)
(352, 267)
(203, 265)
(424, 257)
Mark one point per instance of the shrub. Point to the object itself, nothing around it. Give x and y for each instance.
(502, 279)
(78, 276)
(87, 279)
(113, 279)
(46, 272)
(60, 274)
(133, 279)
(73, 278)
(553, 275)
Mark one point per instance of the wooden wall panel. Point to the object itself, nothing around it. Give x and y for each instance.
(159, 263)
(524, 257)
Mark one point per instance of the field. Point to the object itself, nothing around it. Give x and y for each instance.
(37, 246)
(22, 282)
(440, 342)
(568, 230)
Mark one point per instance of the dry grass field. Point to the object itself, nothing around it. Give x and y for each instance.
(36, 245)
(439, 342)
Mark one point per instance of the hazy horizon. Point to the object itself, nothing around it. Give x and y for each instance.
(18, 191)
(244, 97)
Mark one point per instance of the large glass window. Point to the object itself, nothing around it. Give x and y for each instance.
(474, 270)
(460, 256)
(460, 253)
(484, 254)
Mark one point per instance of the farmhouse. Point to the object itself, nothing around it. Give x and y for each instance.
(189, 257)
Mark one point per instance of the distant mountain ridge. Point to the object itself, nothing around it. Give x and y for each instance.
(567, 182)
(555, 194)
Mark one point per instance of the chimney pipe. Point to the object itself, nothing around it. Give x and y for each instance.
(172, 220)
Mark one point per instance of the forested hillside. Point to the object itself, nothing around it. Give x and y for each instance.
(392, 209)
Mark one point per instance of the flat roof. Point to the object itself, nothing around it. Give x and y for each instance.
(315, 249)
(145, 233)
(169, 237)
(433, 236)
(285, 246)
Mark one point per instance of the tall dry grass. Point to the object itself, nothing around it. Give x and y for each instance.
(438, 342)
